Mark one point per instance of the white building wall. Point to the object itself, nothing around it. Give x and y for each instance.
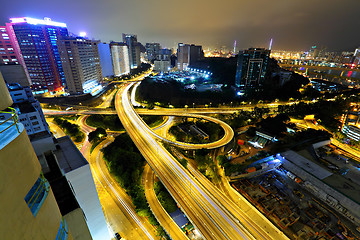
(83, 184)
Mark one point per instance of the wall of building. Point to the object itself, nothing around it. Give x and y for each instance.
(77, 225)
(5, 97)
(105, 59)
(83, 184)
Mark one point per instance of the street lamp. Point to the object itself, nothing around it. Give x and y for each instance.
(193, 105)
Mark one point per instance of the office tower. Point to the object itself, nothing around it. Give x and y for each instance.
(152, 51)
(105, 59)
(120, 58)
(251, 67)
(28, 206)
(81, 64)
(134, 50)
(188, 54)
(37, 39)
(9, 54)
(14, 73)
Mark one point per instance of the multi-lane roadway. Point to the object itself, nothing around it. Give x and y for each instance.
(212, 213)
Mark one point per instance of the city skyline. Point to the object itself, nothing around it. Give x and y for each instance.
(293, 26)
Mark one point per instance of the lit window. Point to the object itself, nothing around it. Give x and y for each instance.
(37, 194)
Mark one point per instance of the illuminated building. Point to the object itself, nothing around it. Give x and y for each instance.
(36, 39)
(120, 58)
(188, 54)
(251, 67)
(105, 59)
(152, 51)
(162, 66)
(9, 54)
(134, 50)
(81, 64)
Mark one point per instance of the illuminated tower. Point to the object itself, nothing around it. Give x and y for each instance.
(81, 64)
(134, 50)
(36, 38)
(251, 67)
(120, 58)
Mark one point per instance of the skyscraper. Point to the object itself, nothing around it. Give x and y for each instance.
(37, 39)
(134, 50)
(188, 54)
(9, 54)
(120, 58)
(152, 51)
(105, 59)
(81, 64)
(251, 67)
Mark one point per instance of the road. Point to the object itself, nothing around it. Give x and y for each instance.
(107, 100)
(202, 203)
(159, 212)
(118, 208)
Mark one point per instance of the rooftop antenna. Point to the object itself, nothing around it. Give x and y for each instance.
(270, 45)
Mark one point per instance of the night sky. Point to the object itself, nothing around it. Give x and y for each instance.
(293, 24)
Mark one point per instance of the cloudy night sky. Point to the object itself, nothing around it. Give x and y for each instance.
(294, 25)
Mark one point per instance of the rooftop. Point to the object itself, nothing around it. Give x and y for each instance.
(306, 165)
(69, 157)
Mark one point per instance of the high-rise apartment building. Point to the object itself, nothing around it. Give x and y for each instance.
(152, 51)
(120, 58)
(134, 50)
(105, 59)
(81, 64)
(37, 40)
(251, 67)
(188, 54)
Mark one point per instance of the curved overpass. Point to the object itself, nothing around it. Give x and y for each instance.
(228, 136)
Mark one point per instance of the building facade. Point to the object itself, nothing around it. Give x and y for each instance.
(134, 50)
(81, 64)
(162, 66)
(37, 41)
(152, 51)
(9, 53)
(105, 59)
(188, 54)
(251, 67)
(120, 58)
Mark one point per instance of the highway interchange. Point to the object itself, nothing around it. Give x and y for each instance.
(215, 215)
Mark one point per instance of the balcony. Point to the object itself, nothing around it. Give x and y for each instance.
(9, 127)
